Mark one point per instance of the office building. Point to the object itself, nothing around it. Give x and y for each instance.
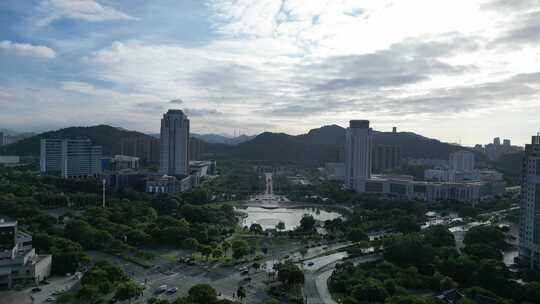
(70, 157)
(385, 157)
(358, 139)
(507, 143)
(146, 148)
(529, 229)
(2, 139)
(358, 177)
(436, 175)
(50, 161)
(497, 141)
(19, 263)
(174, 142)
(196, 149)
(461, 161)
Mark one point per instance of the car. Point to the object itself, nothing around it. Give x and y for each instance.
(57, 292)
(245, 272)
(51, 299)
(161, 289)
(172, 290)
(36, 289)
(310, 264)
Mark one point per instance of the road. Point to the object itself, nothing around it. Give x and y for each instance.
(316, 280)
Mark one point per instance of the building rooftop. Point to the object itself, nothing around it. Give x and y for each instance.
(7, 222)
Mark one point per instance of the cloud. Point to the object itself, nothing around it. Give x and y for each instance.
(25, 49)
(85, 10)
(511, 5)
(202, 112)
(524, 30)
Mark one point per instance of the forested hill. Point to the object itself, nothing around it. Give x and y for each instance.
(324, 144)
(108, 137)
(319, 145)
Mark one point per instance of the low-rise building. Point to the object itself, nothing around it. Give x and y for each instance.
(203, 168)
(19, 263)
(9, 160)
(405, 186)
(169, 184)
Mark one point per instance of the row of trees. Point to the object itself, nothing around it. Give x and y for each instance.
(430, 261)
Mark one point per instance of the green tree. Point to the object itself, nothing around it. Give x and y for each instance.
(407, 224)
(483, 251)
(357, 235)
(439, 236)
(371, 290)
(88, 294)
(307, 223)
(128, 290)
(240, 249)
(488, 235)
(280, 226)
(202, 294)
(256, 228)
(290, 274)
(241, 293)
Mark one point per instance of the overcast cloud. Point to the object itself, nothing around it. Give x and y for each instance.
(439, 68)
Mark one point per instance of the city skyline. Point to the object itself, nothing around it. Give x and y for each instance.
(279, 66)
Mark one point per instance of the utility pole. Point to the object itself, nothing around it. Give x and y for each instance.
(103, 203)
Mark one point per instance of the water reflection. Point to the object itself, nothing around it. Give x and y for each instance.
(268, 218)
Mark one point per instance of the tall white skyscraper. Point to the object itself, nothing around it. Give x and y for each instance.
(174, 143)
(357, 153)
(529, 226)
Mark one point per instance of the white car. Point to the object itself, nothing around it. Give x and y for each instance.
(51, 299)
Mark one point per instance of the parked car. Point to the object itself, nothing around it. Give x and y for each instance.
(51, 299)
(172, 290)
(310, 264)
(36, 289)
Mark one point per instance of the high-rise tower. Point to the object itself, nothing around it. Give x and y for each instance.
(357, 153)
(174, 144)
(529, 226)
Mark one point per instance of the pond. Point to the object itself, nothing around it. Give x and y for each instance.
(268, 218)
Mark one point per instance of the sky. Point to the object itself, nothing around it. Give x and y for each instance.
(460, 71)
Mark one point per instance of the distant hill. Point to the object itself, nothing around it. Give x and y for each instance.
(106, 136)
(319, 145)
(324, 144)
(221, 139)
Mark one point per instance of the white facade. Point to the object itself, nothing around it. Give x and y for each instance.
(18, 260)
(50, 160)
(529, 230)
(70, 157)
(174, 143)
(357, 154)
